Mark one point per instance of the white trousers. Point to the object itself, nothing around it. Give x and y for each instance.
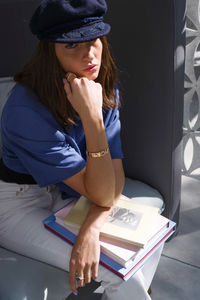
(22, 209)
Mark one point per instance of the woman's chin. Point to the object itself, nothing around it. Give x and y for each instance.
(91, 76)
(88, 75)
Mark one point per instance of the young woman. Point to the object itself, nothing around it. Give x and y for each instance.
(61, 139)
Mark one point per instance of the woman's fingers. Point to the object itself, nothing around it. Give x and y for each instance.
(80, 277)
(70, 76)
(84, 95)
(67, 81)
(95, 270)
(72, 276)
(80, 273)
(87, 274)
(67, 87)
(84, 260)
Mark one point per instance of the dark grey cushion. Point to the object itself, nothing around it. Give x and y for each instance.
(148, 42)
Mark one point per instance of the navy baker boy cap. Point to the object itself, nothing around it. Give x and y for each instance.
(69, 21)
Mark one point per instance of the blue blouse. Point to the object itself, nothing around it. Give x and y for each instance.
(34, 143)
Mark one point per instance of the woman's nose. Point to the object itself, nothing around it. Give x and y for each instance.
(88, 51)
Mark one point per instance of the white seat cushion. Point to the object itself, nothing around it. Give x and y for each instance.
(24, 278)
(143, 193)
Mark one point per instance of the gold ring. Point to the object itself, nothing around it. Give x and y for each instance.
(70, 76)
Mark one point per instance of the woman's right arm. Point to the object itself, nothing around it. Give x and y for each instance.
(97, 180)
(101, 181)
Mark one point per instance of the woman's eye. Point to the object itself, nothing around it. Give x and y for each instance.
(70, 45)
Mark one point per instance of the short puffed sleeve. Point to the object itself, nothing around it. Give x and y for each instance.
(45, 151)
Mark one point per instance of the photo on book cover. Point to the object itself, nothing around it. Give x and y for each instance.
(125, 218)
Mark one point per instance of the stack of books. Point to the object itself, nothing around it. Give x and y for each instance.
(130, 235)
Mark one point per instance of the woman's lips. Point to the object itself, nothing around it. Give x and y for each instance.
(90, 68)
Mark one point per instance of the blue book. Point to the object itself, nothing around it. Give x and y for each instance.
(106, 261)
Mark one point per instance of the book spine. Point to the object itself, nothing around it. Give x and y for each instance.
(142, 260)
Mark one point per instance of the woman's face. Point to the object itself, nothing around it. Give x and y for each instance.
(83, 59)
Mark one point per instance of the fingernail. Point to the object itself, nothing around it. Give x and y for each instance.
(75, 293)
(64, 80)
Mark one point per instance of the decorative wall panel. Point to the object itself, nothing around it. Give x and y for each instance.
(191, 126)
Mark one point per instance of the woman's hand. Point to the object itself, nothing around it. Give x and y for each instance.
(84, 260)
(85, 96)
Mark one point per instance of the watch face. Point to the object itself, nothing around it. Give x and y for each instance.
(18, 42)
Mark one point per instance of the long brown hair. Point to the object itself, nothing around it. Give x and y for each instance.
(43, 74)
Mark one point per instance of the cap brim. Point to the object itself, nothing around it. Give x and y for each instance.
(83, 34)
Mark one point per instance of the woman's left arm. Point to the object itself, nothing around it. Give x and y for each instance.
(86, 250)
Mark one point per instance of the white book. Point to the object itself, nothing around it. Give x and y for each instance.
(129, 222)
(122, 253)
